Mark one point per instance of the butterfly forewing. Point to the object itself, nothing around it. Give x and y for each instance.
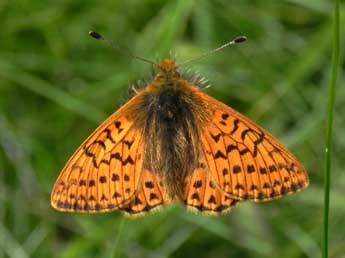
(245, 161)
(104, 172)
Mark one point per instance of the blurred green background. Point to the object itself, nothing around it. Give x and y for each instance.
(57, 85)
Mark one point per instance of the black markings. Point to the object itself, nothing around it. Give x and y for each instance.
(294, 187)
(301, 184)
(137, 201)
(197, 184)
(149, 184)
(153, 196)
(272, 168)
(225, 116)
(263, 171)
(116, 195)
(254, 187)
(92, 183)
(118, 127)
(81, 198)
(250, 169)
(104, 198)
(276, 183)
(67, 205)
(239, 187)
(212, 199)
(216, 137)
(108, 135)
(117, 124)
(226, 184)
(286, 179)
(230, 148)
(87, 207)
(128, 190)
(98, 207)
(72, 196)
(248, 197)
(291, 168)
(195, 196)
(115, 177)
(105, 161)
(261, 196)
(222, 123)
(244, 151)
(220, 154)
(236, 122)
(126, 177)
(94, 162)
(255, 152)
(129, 143)
(245, 132)
(284, 190)
(212, 185)
(102, 179)
(281, 166)
(274, 194)
(225, 171)
(88, 153)
(82, 183)
(117, 156)
(260, 139)
(92, 198)
(266, 186)
(76, 206)
(236, 169)
(221, 208)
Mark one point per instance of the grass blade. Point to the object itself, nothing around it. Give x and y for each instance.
(329, 143)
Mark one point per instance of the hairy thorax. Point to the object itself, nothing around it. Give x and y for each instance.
(170, 117)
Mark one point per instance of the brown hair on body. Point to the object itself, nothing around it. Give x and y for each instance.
(170, 114)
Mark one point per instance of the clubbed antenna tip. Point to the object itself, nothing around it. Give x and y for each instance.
(240, 39)
(95, 35)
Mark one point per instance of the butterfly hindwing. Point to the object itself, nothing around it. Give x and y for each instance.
(104, 172)
(150, 195)
(246, 161)
(203, 195)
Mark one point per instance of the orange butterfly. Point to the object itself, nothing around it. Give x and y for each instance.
(172, 142)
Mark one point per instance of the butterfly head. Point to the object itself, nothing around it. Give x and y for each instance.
(168, 69)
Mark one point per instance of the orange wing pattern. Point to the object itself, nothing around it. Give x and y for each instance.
(203, 195)
(247, 162)
(104, 172)
(150, 196)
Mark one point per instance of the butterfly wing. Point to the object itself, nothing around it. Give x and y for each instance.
(245, 161)
(104, 173)
(203, 195)
(150, 195)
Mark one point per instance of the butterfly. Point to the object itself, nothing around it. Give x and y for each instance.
(174, 143)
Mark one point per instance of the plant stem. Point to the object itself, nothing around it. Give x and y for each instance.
(329, 140)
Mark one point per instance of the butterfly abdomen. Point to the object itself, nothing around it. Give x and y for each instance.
(170, 122)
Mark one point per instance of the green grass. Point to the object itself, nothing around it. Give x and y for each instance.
(57, 85)
(329, 139)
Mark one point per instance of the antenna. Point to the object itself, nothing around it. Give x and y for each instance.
(236, 40)
(98, 36)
